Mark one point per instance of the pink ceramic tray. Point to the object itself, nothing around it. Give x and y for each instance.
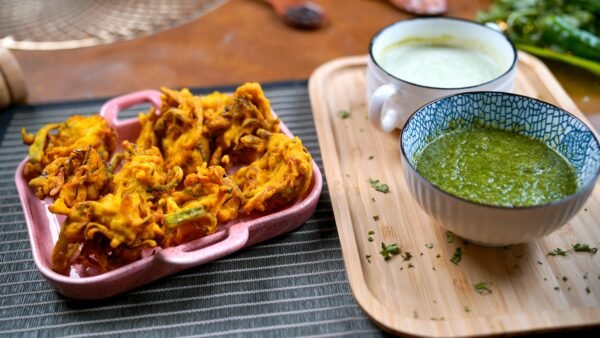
(44, 227)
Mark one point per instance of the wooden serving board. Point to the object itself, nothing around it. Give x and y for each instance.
(427, 294)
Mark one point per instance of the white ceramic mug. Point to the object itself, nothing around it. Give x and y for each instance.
(392, 99)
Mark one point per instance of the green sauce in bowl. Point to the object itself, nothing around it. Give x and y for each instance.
(496, 167)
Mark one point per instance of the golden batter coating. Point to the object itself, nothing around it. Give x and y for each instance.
(198, 163)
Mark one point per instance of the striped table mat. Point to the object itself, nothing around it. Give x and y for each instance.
(293, 285)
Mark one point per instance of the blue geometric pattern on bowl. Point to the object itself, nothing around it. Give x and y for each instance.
(556, 127)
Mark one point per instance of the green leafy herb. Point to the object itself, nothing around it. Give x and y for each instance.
(371, 233)
(429, 245)
(584, 248)
(368, 257)
(376, 218)
(567, 31)
(388, 251)
(467, 309)
(371, 157)
(406, 256)
(344, 114)
(482, 288)
(457, 256)
(449, 237)
(381, 187)
(557, 252)
(410, 265)
(370, 239)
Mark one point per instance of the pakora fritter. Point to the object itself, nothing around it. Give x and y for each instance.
(198, 163)
(69, 166)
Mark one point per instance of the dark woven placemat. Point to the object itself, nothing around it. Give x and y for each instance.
(293, 285)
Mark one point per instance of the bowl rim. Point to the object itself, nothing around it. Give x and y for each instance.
(449, 18)
(580, 191)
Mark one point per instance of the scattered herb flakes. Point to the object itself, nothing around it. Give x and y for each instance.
(439, 318)
(372, 199)
(420, 254)
(433, 268)
(565, 278)
(388, 251)
(370, 239)
(457, 256)
(429, 245)
(556, 288)
(368, 257)
(344, 114)
(371, 233)
(585, 275)
(438, 256)
(371, 157)
(482, 288)
(557, 252)
(406, 256)
(585, 209)
(587, 290)
(545, 278)
(540, 263)
(467, 309)
(376, 218)
(379, 186)
(449, 237)
(584, 248)
(410, 265)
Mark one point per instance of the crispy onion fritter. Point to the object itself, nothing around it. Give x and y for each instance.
(198, 163)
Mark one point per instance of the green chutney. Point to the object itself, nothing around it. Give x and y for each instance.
(496, 167)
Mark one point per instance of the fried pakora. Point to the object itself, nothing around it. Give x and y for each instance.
(198, 163)
(70, 165)
(127, 218)
(280, 176)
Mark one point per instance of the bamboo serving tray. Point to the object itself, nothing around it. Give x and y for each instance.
(427, 295)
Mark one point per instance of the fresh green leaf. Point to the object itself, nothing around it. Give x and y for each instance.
(344, 114)
(457, 256)
(482, 288)
(584, 248)
(377, 185)
(388, 251)
(557, 252)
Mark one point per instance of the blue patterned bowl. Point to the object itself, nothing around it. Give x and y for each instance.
(495, 225)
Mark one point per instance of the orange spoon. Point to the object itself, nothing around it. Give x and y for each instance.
(301, 14)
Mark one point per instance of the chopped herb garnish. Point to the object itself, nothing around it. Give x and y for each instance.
(429, 245)
(376, 218)
(540, 263)
(565, 278)
(440, 318)
(344, 114)
(371, 233)
(457, 256)
(381, 187)
(410, 265)
(387, 251)
(372, 199)
(371, 157)
(401, 268)
(438, 256)
(406, 256)
(584, 248)
(420, 254)
(585, 275)
(368, 257)
(370, 239)
(467, 309)
(557, 252)
(545, 278)
(587, 289)
(482, 288)
(449, 237)
(556, 288)
(433, 268)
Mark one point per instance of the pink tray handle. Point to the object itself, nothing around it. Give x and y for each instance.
(110, 110)
(237, 237)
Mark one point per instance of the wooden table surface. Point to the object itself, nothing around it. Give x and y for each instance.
(240, 41)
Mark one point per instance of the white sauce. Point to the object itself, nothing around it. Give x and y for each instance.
(439, 65)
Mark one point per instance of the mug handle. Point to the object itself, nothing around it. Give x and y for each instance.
(388, 120)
